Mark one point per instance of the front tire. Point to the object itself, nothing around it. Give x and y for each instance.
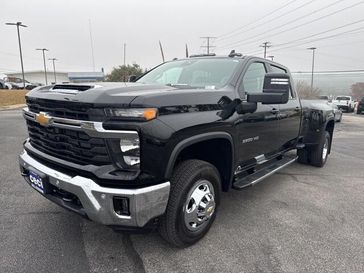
(192, 204)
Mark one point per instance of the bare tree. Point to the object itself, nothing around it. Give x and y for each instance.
(357, 90)
(305, 92)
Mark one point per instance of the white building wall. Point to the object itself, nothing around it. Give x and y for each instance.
(38, 77)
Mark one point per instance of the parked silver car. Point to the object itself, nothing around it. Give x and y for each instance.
(17, 83)
(5, 85)
(337, 111)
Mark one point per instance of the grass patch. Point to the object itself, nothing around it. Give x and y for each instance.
(12, 97)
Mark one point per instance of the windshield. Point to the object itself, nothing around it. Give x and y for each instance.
(195, 73)
(342, 98)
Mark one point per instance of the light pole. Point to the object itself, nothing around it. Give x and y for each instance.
(44, 63)
(313, 65)
(54, 68)
(19, 24)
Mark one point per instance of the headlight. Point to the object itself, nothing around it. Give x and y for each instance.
(131, 149)
(143, 114)
(125, 150)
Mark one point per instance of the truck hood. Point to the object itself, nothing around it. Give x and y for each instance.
(127, 94)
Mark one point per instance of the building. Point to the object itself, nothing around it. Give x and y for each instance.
(38, 76)
(62, 77)
(86, 76)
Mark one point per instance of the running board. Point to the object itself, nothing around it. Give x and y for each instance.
(258, 176)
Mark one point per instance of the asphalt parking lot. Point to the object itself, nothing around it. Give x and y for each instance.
(302, 219)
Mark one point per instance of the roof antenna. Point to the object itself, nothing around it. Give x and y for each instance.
(234, 54)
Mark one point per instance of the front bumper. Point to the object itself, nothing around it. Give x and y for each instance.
(96, 201)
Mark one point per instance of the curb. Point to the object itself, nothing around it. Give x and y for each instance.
(12, 107)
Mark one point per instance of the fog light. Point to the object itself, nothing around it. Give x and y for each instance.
(121, 205)
(131, 160)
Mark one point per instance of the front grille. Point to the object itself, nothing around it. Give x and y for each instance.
(70, 145)
(61, 109)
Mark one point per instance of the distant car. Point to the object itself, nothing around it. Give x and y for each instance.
(17, 83)
(345, 102)
(360, 106)
(324, 97)
(4, 85)
(337, 112)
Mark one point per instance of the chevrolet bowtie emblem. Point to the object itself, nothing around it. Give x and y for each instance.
(43, 119)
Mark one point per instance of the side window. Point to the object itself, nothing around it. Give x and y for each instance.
(253, 79)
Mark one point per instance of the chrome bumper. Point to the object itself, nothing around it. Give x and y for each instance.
(97, 202)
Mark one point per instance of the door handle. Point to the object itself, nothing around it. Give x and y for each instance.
(297, 109)
(274, 111)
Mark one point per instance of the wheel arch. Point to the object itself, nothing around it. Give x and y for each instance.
(197, 146)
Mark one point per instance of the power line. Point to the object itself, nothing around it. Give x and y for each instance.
(318, 39)
(330, 71)
(241, 42)
(253, 22)
(280, 16)
(323, 32)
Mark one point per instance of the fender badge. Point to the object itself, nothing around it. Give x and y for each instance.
(43, 119)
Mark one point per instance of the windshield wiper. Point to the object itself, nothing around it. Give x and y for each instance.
(181, 85)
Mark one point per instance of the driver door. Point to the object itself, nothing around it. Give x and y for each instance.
(258, 132)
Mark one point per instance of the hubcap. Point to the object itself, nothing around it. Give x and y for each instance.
(199, 206)
(325, 149)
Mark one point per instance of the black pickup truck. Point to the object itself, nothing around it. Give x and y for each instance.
(158, 151)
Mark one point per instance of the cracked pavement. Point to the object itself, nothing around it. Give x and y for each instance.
(302, 219)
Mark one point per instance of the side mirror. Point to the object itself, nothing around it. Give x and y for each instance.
(275, 90)
(246, 107)
(132, 78)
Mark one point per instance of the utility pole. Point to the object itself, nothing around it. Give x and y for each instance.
(265, 45)
(44, 63)
(208, 44)
(92, 45)
(271, 57)
(313, 65)
(19, 24)
(124, 54)
(54, 68)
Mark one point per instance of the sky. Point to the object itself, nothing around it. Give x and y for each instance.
(291, 26)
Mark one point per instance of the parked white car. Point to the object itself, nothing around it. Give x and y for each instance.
(344, 102)
(5, 85)
(17, 83)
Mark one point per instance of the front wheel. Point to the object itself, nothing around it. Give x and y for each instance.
(192, 204)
